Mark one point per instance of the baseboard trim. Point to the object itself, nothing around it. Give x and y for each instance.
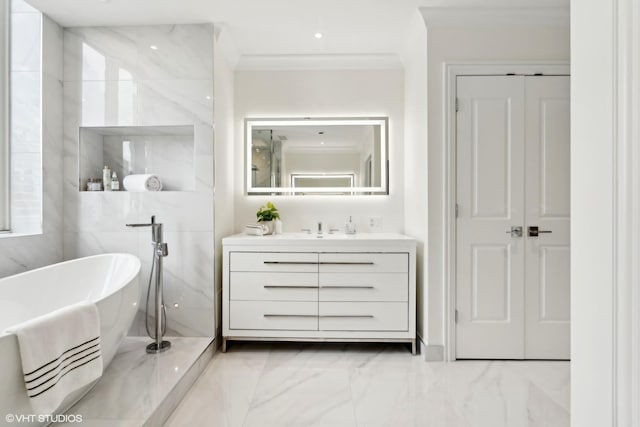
(431, 353)
(434, 353)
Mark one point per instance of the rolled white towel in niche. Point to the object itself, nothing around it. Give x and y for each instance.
(142, 182)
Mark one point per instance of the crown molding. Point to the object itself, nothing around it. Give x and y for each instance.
(496, 15)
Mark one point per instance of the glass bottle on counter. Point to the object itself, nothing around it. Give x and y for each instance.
(106, 178)
(115, 184)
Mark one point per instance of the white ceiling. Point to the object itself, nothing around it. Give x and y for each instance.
(279, 27)
(259, 27)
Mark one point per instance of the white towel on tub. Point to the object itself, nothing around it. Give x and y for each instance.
(60, 353)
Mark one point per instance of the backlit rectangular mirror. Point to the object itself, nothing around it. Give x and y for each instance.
(347, 156)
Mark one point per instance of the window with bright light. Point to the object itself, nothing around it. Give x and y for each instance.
(20, 118)
(4, 116)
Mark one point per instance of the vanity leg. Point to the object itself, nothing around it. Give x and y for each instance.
(224, 345)
(413, 347)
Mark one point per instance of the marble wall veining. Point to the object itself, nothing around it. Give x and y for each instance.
(145, 76)
(36, 238)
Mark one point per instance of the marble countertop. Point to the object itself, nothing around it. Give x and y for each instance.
(305, 239)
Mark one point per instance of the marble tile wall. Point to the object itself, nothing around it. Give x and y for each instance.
(170, 157)
(145, 76)
(36, 143)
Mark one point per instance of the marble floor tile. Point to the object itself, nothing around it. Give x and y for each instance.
(551, 377)
(222, 395)
(135, 383)
(370, 385)
(302, 397)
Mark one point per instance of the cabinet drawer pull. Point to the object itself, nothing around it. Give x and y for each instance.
(348, 287)
(290, 287)
(366, 316)
(346, 263)
(291, 262)
(290, 315)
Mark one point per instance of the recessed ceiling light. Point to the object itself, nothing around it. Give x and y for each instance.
(207, 97)
(321, 143)
(153, 47)
(318, 35)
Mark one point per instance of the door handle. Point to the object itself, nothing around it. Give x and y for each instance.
(516, 231)
(534, 231)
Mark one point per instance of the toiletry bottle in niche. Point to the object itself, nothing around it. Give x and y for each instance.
(278, 227)
(115, 184)
(106, 178)
(350, 227)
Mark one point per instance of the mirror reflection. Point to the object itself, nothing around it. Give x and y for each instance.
(317, 156)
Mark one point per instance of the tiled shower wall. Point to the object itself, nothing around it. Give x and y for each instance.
(36, 153)
(145, 76)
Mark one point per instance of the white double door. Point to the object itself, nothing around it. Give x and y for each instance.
(512, 284)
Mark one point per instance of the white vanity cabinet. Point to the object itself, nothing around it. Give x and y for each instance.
(297, 287)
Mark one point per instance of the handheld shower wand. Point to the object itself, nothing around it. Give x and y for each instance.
(160, 250)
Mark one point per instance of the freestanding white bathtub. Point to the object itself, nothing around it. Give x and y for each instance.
(110, 280)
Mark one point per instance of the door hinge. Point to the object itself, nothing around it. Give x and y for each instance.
(457, 105)
(457, 210)
(456, 316)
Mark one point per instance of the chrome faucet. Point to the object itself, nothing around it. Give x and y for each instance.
(160, 250)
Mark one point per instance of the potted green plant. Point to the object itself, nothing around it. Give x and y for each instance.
(267, 215)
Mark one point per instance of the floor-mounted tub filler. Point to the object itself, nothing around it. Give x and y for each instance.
(160, 250)
(110, 281)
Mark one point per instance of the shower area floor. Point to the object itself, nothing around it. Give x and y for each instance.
(139, 389)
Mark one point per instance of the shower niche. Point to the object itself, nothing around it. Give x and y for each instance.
(165, 151)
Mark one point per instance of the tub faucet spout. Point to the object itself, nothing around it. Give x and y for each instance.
(156, 231)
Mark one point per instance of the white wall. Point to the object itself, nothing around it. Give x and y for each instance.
(449, 43)
(309, 93)
(223, 77)
(591, 206)
(414, 58)
(605, 382)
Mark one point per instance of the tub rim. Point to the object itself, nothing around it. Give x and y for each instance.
(106, 255)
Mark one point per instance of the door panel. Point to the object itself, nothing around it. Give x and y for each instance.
(549, 136)
(512, 293)
(491, 284)
(490, 160)
(490, 156)
(547, 326)
(553, 288)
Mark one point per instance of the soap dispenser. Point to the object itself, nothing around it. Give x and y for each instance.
(350, 227)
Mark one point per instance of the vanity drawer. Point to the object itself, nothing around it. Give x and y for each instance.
(273, 286)
(363, 316)
(364, 263)
(393, 287)
(273, 315)
(274, 261)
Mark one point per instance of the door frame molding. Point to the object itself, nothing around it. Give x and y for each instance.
(450, 71)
